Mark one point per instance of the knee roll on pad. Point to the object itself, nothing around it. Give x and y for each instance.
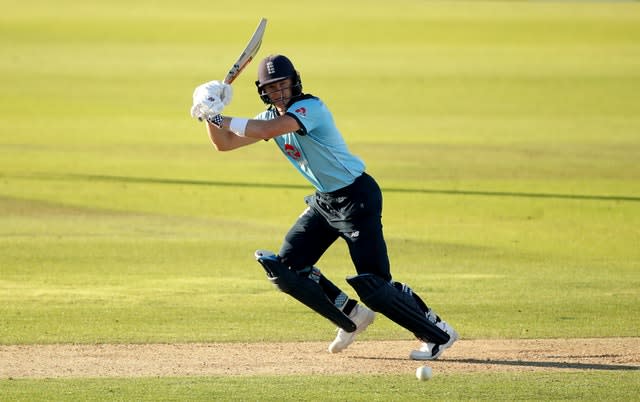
(397, 305)
(305, 290)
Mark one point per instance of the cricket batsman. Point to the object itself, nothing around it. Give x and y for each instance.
(347, 204)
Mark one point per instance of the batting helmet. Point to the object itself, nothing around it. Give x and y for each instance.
(277, 67)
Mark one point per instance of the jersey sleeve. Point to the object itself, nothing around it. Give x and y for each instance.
(308, 113)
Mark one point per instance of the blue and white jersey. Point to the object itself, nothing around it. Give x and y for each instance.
(317, 150)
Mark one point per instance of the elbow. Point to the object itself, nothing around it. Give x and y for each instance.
(266, 134)
(263, 130)
(221, 147)
(220, 143)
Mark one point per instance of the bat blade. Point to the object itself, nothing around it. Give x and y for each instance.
(248, 53)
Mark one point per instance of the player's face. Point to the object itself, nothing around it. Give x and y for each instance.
(279, 93)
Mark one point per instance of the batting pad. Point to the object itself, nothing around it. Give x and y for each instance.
(397, 305)
(305, 290)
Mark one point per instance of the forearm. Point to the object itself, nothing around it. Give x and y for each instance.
(243, 132)
(225, 140)
(248, 128)
(260, 129)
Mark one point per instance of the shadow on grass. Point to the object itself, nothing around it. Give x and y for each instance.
(557, 365)
(154, 180)
(524, 363)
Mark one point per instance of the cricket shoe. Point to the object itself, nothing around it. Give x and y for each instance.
(264, 254)
(431, 351)
(362, 317)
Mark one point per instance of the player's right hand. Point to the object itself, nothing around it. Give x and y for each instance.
(213, 89)
(207, 109)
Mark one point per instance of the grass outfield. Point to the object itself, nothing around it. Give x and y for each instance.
(516, 386)
(505, 136)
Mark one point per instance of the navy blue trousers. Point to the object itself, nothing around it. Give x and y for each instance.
(353, 213)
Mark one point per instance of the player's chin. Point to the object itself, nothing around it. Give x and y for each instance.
(280, 103)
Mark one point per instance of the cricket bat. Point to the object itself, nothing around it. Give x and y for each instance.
(248, 53)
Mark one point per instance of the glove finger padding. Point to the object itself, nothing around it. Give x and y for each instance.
(212, 106)
(195, 112)
(227, 94)
(207, 109)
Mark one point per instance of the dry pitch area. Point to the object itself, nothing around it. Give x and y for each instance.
(370, 357)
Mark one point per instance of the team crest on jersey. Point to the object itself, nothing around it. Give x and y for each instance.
(292, 151)
(302, 111)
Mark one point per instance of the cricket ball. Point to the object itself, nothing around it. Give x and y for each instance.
(424, 373)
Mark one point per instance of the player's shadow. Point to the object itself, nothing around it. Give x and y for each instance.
(523, 363)
(157, 180)
(556, 365)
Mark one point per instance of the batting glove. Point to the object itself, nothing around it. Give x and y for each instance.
(207, 109)
(213, 89)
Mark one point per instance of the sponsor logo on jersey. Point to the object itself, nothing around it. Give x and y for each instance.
(292, 151)
(302, 111)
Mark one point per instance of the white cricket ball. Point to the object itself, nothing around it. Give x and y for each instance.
(424, 373)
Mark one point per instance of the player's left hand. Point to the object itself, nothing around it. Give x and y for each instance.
(207, 109)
